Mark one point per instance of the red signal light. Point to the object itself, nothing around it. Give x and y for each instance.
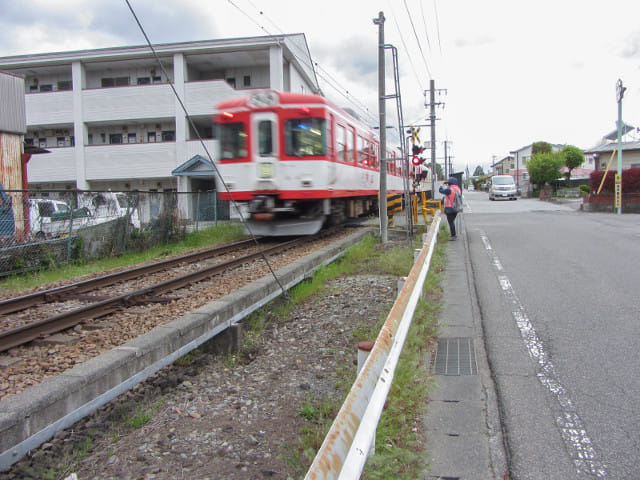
(416, 160)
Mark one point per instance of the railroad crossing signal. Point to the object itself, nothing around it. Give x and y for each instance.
(415, 132)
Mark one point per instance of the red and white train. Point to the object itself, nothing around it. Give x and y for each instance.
(298, 162)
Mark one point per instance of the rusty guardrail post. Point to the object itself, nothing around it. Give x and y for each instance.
(345, 448)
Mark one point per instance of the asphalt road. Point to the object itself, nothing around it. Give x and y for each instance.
(559, 297)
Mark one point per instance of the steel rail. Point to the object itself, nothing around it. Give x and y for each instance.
(62, 321)
(23, 302)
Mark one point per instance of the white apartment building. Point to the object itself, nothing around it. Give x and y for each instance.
(111, 120)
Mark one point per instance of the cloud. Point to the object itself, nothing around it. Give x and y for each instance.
(478, 41)
(56, 25)
(355, 57)
(631, 49)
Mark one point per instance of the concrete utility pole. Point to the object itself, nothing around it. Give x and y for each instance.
(447, 170)
(432, 123)
(432, 120)
(619, 94)
(384, 236)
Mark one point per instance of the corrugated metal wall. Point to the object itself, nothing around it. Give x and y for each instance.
(12, 116)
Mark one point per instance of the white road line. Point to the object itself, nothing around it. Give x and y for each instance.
(574, 435)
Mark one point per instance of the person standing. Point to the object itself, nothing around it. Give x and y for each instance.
(450, 189)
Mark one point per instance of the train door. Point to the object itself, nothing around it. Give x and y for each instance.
(265, 148)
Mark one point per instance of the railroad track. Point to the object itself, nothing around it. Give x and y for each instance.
(21, 335)
(66, 291)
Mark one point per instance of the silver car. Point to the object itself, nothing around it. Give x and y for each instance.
(503, 186)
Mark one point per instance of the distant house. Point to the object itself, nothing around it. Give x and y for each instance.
(602, 154)
(519, 171)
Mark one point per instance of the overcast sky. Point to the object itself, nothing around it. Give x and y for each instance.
(515, 71)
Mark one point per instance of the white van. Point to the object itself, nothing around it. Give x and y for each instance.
(502, 186)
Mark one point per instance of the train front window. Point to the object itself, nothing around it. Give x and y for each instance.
(265, 138)
(306, 137)
(233, 140)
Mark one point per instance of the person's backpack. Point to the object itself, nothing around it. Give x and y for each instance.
(457, 202)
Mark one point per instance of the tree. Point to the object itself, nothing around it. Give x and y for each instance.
(541, 147)
(478, 172)
(545, 167)
(573, 158)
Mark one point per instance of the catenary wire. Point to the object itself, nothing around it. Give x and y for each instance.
(189, 118)
(424, 59)
(332, 82)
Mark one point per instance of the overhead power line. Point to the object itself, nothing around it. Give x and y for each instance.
(333, 83)
(424, 59)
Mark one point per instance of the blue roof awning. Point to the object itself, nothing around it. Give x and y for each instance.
(196, 166)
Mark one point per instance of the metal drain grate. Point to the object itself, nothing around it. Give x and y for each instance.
(455, 356)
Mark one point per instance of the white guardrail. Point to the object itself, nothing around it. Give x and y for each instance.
(345, 448)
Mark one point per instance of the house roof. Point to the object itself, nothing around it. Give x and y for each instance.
(611, 146)
(195, 166)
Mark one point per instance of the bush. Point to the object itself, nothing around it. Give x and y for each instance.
(585, 189)
(630, 181)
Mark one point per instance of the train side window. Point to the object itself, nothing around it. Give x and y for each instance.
(340, 145)
(349, 145)
(374, 155)
(265, 138)
(362, 156)
(305, 137)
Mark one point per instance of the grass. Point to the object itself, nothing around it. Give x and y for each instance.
(203, 238)
(399, 442)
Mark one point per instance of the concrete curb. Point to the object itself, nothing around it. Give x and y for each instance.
(35, 415)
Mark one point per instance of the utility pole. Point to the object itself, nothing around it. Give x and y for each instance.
(618, 189)
(447, 172)
(432, 122)
(383, 130)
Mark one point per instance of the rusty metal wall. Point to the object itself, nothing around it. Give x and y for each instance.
(11, 175)
(13, 116)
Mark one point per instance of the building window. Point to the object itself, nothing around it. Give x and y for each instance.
(151, 137)
(132, 137)
(168, 135)
(144, 80)
(60, 141)
(232, 81)
(46, 88)
(246, 81)
(90, 139)
(33, 88)
(157, 79)
(42, 142)
(65, 85)
(115, 138)
(114, 82)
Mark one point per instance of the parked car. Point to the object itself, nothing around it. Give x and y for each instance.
(50, 218)
(502, 186)
(7, 222)
(107, 206)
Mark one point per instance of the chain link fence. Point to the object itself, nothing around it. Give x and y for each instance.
(40, 229)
